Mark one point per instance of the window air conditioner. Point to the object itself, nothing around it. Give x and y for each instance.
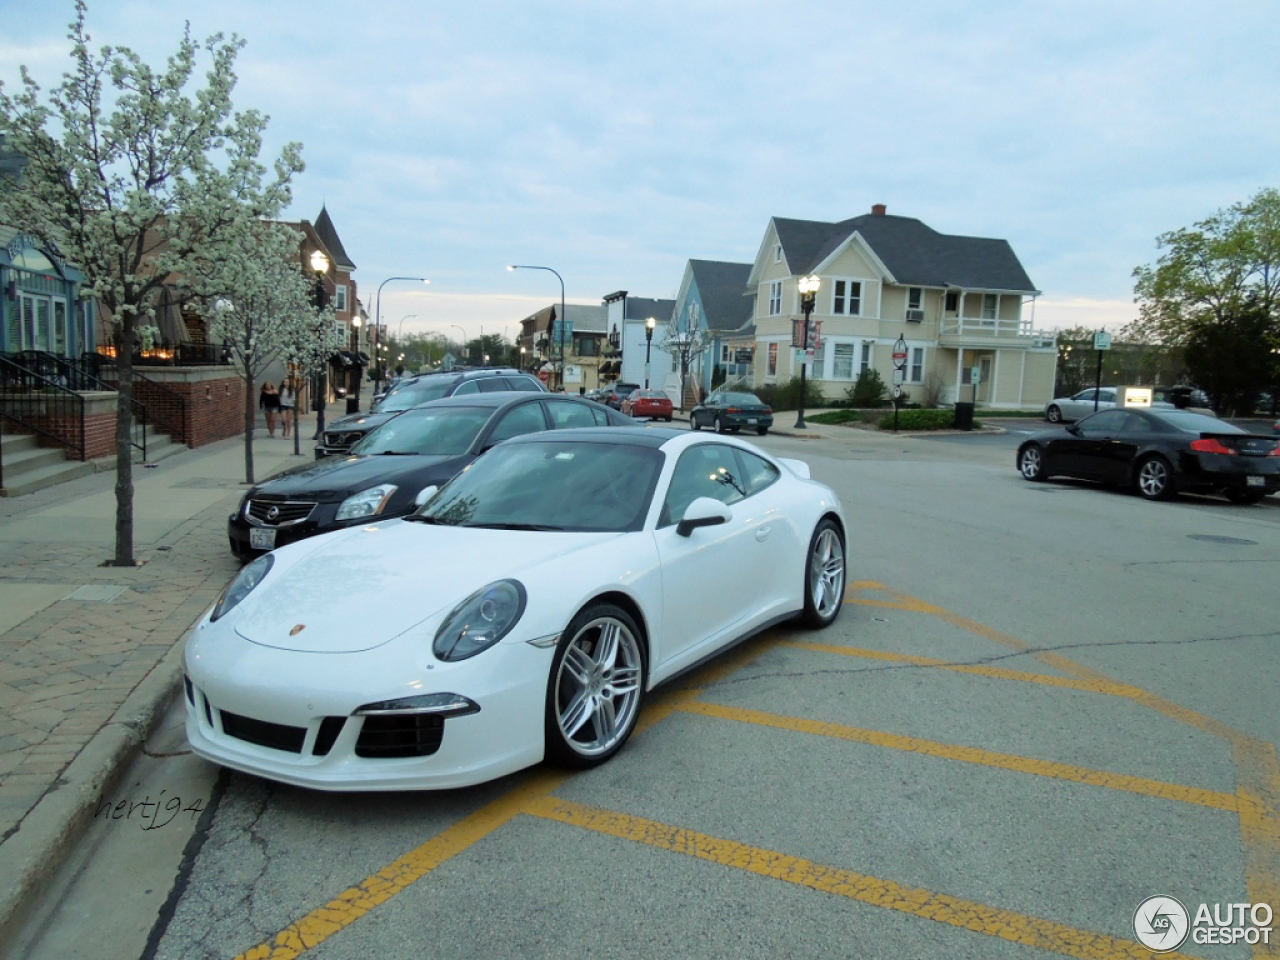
(915, 316)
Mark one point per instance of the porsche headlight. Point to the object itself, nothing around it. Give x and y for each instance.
(366, 503)
(480, 621)
(242, 585)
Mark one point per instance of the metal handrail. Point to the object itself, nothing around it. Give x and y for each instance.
(23, 391)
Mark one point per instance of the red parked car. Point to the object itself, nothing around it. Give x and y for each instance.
(653, 404)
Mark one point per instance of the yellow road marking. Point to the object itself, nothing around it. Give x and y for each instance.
(353, 903)
(940, 907)
(1214, 799)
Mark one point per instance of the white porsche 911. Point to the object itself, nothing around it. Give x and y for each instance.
(522, 612)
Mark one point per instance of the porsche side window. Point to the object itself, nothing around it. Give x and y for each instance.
(710, 470)
(758, 472)
(464, 388)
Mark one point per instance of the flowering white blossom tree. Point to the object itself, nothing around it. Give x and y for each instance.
(260, 304)
(131, 178)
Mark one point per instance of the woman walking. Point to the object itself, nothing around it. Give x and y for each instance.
(288, 406)
(269, 402)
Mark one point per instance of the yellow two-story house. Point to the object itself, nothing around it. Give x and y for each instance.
(961, 309)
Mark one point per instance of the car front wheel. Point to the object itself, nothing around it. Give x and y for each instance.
(1155, 479)
(1053, 415)
(1031, 463)
(824, 575)
(595, 687)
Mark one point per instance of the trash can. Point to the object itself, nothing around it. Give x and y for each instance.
(964, 416)
(353, 406)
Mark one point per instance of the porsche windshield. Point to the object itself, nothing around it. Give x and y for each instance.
(444, 432)
(551, 485)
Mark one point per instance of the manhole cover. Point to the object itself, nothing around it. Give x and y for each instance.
(1210, 538)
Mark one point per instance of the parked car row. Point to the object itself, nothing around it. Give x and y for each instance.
(1094, 399)
(409, 392)
(386, 473)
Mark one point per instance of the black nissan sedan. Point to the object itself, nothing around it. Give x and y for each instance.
(1158, 453)
(386, 473)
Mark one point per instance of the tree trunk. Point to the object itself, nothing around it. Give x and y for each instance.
(250, 412)
(124, 448)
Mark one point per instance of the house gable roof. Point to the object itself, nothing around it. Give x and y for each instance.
(328, 235)
(913, 253)
(723, 290)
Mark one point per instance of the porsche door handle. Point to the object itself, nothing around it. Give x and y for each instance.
(762, 533)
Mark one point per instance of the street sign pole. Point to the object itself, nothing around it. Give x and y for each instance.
(1101, 343)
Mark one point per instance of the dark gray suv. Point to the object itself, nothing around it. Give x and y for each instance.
(411, 392)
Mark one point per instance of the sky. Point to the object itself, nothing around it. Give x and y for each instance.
(613, 142)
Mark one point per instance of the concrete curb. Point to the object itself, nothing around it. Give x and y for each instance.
(32, 856)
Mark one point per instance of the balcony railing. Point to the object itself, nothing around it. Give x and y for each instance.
(997, 329)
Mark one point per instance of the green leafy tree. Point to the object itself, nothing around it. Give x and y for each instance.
(1222, 273)
(1224, 359)
(133, 178)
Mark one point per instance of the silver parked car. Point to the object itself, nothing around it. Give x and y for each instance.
(1081, 405)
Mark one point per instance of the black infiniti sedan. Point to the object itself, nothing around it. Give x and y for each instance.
(1158, 453)
(386, 473)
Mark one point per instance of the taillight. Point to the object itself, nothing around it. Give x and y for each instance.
(1275, 451)
(732, 409)
(767, 410)
(1212, 445)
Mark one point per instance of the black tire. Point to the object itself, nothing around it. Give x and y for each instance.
(762, 430)
(595, 688)
(1053, 414)
(717, 426)
(824, 575)
(1031, 463)
(1244, 497)
(693, 423)
(1153, 478)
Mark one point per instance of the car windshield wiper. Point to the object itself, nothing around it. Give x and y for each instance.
(419, 518)
(396, 453)
(513, 526)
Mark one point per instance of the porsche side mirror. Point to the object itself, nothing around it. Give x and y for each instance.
(703, 512)
(1073, 430)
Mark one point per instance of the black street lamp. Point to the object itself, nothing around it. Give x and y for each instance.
(649, 324)
(808, 293)
(525, 266)
(320, 264)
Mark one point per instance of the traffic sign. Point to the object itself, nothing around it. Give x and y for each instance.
(900, 353)
(1102, 340)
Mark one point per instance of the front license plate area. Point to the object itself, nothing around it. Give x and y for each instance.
(262, 538)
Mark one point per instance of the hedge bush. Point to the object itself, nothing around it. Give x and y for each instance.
(923, 420)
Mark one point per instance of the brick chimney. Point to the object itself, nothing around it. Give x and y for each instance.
(878, 209)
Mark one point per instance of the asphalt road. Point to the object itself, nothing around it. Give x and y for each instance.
(1042, 705)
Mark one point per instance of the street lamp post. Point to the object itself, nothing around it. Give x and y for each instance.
(649, 324)
(525, 266)
(320, 265)
(377, 325)
(400, 331)
(808, 293)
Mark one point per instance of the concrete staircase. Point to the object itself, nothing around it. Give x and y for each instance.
(29, 467)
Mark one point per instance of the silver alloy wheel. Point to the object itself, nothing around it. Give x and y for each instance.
(1153, 478)
(1054, 415)
(826, 574)
(1031, 464)
(597, 687)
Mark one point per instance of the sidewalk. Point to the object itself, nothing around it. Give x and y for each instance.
(90, 654)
